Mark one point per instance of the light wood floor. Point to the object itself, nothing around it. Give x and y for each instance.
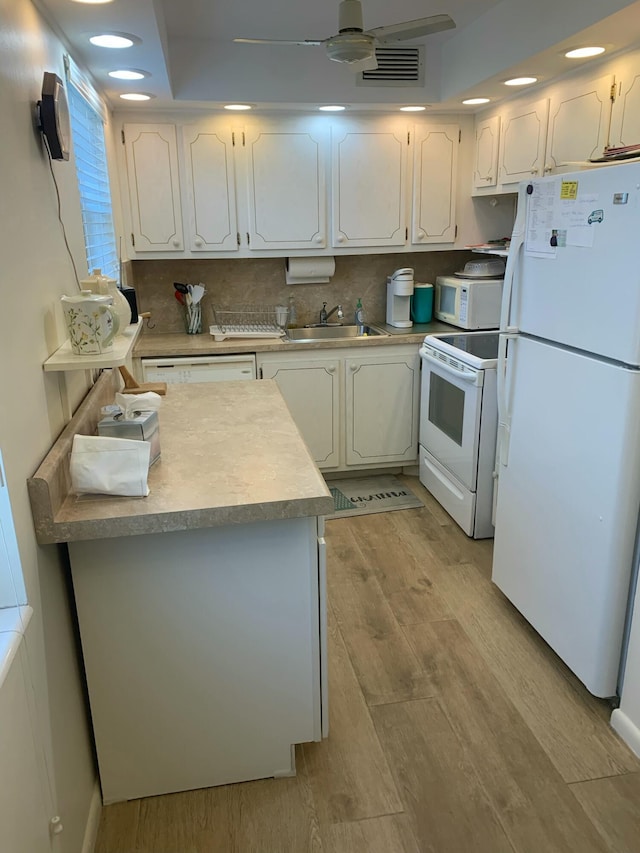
(454, 728)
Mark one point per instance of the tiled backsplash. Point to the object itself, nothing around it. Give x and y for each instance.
(261, 281)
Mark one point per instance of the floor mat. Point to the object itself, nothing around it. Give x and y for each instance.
(364, 495)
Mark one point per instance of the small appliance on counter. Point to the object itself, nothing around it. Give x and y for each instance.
(471, 299)
(399, 292)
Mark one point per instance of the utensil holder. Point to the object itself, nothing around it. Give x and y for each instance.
(193, 319)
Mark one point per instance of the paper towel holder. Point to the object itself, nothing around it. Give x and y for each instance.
(309, 270)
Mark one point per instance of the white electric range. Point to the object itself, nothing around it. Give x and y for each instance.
(458, 425)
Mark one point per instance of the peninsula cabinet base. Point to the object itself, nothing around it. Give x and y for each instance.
(204, 651)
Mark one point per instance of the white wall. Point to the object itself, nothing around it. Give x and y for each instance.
(35, 270)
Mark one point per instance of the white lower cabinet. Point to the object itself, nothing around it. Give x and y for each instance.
(204, 653)
(311, 388)
(381, 408)
(355, 409)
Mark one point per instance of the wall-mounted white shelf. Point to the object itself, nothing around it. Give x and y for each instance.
(488, 250)
(64, 359)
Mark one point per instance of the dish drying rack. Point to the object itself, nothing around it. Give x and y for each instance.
(248, 321)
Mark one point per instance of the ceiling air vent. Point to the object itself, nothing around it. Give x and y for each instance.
(397, 66)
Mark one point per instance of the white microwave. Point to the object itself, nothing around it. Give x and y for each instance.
(468, 303)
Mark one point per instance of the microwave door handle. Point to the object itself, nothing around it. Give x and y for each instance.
(466, 377)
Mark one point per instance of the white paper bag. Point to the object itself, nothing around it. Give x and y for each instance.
(109, 466)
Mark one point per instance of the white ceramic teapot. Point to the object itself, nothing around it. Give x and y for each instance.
(92, 322)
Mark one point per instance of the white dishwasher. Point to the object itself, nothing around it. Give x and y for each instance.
(201, 368)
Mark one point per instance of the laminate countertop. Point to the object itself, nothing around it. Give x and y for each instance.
(158, 345)
(230, 454)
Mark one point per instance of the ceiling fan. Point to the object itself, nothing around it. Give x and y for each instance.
(356, 46)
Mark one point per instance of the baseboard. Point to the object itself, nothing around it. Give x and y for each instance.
(93, 820)
(628, 731)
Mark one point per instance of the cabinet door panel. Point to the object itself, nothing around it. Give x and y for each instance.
(625, 122)
(369, 178)
(523, 136)
(210, 190)
(312, 392)
(435, 165)
(578, 122)
(382, 397)
(287, 188)
(154, 189)
(485, 169)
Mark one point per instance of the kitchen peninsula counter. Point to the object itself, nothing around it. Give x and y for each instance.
(230, 455)
(202, 607)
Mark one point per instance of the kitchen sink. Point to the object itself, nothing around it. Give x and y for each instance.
(313, 334)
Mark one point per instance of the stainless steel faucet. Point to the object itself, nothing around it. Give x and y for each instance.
(324, 314)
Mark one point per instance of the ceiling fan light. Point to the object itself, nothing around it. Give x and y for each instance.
(350, 47)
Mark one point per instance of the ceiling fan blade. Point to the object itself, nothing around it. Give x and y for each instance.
(412, 29)
(369, 64)
(278, 41)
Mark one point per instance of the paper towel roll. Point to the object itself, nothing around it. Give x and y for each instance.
(316, 270)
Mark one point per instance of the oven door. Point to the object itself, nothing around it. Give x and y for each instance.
(450, 408)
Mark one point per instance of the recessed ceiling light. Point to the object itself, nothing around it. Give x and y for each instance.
(415, 109)
(332, 108)
(520, 81)
(128, 73)
(238, 107)
(93, 2)
(583, 52)
(472, 101)
(136, 96)
(116, 40)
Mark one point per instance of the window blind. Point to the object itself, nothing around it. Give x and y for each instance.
(87, 132)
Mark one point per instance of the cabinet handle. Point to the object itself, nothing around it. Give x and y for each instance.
(547, 169)
(534, 171)
(319, 239)
(176, 243)
(340, 238)
(353, 367)
(489, 178)
(331, 368)
(421, 235)
(198, 242)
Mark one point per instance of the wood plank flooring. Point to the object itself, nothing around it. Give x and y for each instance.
(453, 726)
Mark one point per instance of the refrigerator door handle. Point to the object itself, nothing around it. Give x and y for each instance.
(504, 416)
(513, 259)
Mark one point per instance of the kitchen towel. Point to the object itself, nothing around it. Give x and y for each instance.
(316, 270)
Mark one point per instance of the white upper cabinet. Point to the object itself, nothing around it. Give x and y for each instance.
(209, 188)
(578, 122)
(369, 180)
(485, 166)
(522, 141)
(435, 170)
(286, 166)
(625, 117)
(154, 187)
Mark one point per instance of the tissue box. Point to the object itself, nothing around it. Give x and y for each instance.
(144, 427)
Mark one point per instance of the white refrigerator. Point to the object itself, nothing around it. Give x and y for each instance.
(567, 493)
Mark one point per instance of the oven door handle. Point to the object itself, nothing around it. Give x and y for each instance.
(471, 378)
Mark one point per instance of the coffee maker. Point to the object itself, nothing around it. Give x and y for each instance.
(399, 291)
